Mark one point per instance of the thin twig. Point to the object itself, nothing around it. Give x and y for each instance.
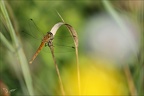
(75, 38)
(57, 70)
(130, 81)
(108, 6)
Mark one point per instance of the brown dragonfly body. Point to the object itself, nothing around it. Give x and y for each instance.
(47, 40)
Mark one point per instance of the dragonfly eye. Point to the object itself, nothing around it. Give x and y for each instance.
(50, 35)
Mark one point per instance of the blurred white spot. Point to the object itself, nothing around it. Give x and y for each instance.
(106, 39)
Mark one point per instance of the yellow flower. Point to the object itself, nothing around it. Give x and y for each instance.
(96, 79)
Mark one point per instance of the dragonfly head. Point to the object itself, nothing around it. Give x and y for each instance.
(50, 35)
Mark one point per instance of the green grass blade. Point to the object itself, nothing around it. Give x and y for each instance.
(6, 42)
(20, 52)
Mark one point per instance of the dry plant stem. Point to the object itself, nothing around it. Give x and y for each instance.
(130, 82)
(108, 6)
(73, 33)
(57, 70)
(78, 71)
(75, 39)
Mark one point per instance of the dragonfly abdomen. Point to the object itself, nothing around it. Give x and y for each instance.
(37, 52)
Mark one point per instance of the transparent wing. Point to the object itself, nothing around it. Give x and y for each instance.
(63, 41)
(35, 30)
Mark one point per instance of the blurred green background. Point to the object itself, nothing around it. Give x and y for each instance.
(110, 81)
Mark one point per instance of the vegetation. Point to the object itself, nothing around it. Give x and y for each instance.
(64, 71)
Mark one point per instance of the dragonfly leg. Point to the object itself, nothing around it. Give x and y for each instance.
(50, 43)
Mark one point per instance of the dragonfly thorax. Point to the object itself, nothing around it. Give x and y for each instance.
(47, 37)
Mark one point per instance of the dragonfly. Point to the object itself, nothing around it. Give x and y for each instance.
(47, 40)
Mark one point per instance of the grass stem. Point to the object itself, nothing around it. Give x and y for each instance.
(76, 51)
(130, 81)
(108, 6)
(20, 52)
(57, 70)
(6, 43)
